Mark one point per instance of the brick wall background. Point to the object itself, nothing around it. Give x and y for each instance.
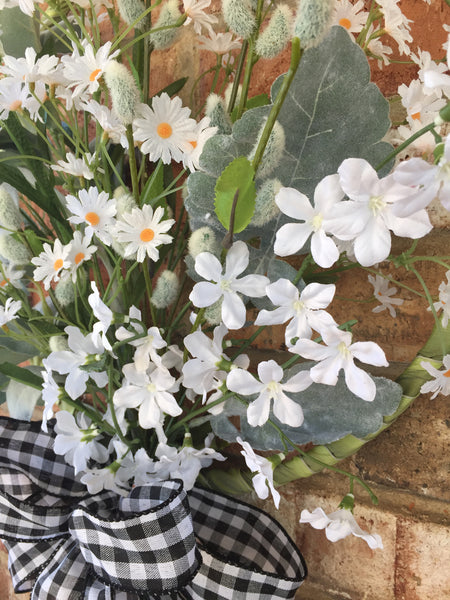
(408, 466)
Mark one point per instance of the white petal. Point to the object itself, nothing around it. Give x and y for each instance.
(294, 204)
(243, 382)
(233, 311)
(208, 266)
(359, 382)
(237, 260)
(258, 411)
(204, 294)
(291, 238)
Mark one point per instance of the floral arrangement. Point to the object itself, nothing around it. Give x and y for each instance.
(145, 247)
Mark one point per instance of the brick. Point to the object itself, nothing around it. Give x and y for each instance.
(423, 556)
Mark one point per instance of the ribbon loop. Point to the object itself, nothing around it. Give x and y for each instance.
(150, 544)
(158, 543)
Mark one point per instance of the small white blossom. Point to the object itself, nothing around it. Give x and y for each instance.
(339, 353)
(440, 384)
(263, 479)
(383, 293)
(227, 285)
(9, 311)
(270, 388)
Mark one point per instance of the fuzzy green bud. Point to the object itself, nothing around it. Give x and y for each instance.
(239, 17)
(64, 292)
(166, 290)
(131, 11)
(313, 21)
(213, 313)
(277, 34)
(124, 92)
(10, 217)
(15, 252)
(58, 343)
(218, 117)
(203, 240)
(266, 208)
(273, 151)
(125, 202)
(169, 15)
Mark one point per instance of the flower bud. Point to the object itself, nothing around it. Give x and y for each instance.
(64, 292)
(276, 35)
(213, 313)
(15, 252)
(166, 290)
(217, 113)
(265, 207)
(273, 151)
(125, 202)
(58, 343)
(203, 240)
(169, 15)
(239, 17)
(313, 21)
(124, 92)
(10, 217)
(131, 10)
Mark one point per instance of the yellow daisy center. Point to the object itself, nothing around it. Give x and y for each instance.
(94, 74)
(416, 116)
(3, 283)
(58, 264)
(15, 105)
(193, 144)
(164, 130)
(344, 22)
(79, 257)
(92, 218)
(147, 235)
(447, 373)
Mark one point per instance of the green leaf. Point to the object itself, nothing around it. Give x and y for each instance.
(332, 112)
(155, 184)
(238, 177)
(18, 32)
(33, 241)
(331, 412)
(174, 87)
(21, 374)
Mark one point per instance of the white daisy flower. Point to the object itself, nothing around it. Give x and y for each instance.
(165, 129)
(84, 71)
(29, 68)
(14, 96)
(80, 251)
(220, 43)
(350, 16)
(196, 142)
(78, 167)
(195, 11)
(110, 123)
(50, 263)
(9, 311)
(96, 210)
(143, 231)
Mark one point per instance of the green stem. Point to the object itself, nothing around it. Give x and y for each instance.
(133, 165)
(296, 54)
(405, 144)
(240, 66)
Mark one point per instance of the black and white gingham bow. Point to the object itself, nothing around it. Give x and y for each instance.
(158, 543)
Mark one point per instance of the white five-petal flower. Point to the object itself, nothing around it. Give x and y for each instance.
(263, 479)
(270, 388)
(227, 285)
(304, 310)
(339, 353)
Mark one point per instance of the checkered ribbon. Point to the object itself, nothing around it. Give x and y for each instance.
(158, 543)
